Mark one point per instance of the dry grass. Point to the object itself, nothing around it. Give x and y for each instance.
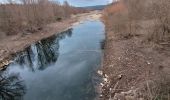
(30, 16)
(123, 18)
(142, 25)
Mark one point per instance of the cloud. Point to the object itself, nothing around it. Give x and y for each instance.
(110, 1)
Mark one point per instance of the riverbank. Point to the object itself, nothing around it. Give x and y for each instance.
(13, 44)
(134, 69)
(136, 59)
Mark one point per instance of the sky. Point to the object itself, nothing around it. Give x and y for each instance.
(81, 3)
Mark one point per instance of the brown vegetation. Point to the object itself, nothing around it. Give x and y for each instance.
(29, 16)
(136, 61)
(28, 21)
(125, 16)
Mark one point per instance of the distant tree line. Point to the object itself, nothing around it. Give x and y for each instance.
(31, 15)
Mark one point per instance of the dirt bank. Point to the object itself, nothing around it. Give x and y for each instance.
(134, 70)
(9, 46)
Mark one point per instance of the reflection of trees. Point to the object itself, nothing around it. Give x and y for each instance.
(67, 32)
(46, 52)
(11, 87)
(26, 58)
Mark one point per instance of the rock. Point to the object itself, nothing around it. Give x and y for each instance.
(102, 84)
(148, 63)
(120, 76)
(101, 96)
(105, 80)
(100, 72)
(110, 89)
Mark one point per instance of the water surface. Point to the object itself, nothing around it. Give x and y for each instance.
(57, 68)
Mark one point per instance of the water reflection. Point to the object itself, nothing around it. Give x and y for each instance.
(11, 87)
(43, 53)
(59, 67)
(102, 44)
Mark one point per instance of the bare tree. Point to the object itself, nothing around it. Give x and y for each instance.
(31, 15)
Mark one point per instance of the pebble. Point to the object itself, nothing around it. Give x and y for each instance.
(102, 84)
(105, 80)
(100, 72)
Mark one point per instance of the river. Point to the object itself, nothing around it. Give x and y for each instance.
(61, 67)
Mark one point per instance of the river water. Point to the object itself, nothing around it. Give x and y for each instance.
(61, 67)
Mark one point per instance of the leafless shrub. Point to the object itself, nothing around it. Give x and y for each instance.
(116, 19)
(161, 14)
(155, 16)
(122, 17)
(32, 15)
(126, 20)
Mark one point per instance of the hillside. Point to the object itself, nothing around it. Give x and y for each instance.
(97, 7)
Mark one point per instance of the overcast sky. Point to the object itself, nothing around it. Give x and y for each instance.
(80, 3)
